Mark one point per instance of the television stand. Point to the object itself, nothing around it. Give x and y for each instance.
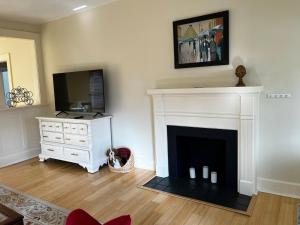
(61, 112)
(98, 113)
(82, 141)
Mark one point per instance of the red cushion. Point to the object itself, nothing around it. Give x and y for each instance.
(124, 153)
(80, 217)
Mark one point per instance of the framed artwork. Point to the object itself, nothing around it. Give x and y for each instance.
(202, 41)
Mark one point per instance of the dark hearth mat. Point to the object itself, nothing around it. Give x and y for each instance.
(201, 190)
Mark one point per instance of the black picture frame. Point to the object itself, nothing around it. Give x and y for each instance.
(193, 54)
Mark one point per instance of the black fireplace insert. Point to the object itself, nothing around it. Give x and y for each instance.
(190, 147)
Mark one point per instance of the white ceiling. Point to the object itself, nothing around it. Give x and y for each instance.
(43, 11)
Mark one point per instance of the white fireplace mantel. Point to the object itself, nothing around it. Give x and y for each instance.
(232, 108)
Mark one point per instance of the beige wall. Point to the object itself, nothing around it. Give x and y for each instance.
(132, 40)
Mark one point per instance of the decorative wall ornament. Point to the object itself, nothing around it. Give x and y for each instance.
(19, 95)
(240, 72)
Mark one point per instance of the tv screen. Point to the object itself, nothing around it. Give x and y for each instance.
(81, 91)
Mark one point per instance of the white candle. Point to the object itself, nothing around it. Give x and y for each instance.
(205, 172)
(214, 177)
(192, 173)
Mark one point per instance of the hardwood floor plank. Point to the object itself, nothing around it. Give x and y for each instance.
(106, 195)
(288, 212)
(197, 215)
(239, 219)
(185, 213)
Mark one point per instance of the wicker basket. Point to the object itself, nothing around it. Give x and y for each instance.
(128, 167)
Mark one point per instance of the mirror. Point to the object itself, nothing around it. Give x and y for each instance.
(18, 68)
(5, 76)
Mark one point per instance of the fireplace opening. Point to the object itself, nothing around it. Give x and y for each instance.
(196, 153)
(198, 147)
(217, 149)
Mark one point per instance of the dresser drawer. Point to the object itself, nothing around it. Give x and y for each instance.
(67, 127)
(51, 126)
(79, 140)
(73, 128)
(70, 128)
(47, 126)
(53, 137)
(53, 151)
(82, 129)
(58, 127)
(77, 155)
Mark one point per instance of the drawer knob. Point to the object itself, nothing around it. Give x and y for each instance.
(74, 154)
(73, 128)
(43, 126)
(82, 140)
(50, 126)
(45, 136)
(57, 126)
(50, 150)
(68, 139)
(58, 138)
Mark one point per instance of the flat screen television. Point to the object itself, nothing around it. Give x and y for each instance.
(81, 91)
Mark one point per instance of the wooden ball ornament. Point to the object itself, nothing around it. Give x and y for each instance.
(240, 72)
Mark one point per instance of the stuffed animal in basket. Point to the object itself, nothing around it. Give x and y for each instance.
(113, 159)
(118, 157)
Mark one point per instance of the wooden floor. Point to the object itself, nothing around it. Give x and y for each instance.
(106, 195)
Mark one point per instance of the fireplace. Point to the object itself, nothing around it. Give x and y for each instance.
(197, 147)
(232, 110)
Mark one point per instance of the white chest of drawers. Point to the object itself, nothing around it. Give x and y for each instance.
(81, 141)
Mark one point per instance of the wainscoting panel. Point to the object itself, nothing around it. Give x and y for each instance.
(19, 134)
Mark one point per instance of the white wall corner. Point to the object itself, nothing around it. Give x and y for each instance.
(278, 187)
(142, 163)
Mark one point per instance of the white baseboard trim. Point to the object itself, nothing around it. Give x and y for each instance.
(141, 163)
(19, 157)
(288, 189)
(247, 188)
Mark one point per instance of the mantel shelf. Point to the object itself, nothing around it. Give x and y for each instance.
(210, 90)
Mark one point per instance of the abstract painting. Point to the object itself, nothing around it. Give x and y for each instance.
(202, 41)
